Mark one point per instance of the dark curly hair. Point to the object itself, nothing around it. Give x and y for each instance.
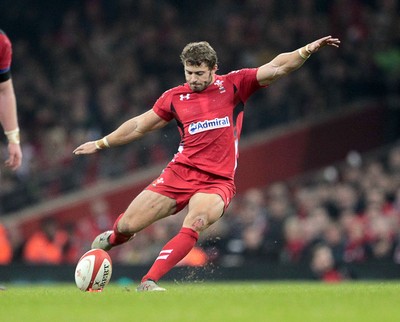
(196, 53)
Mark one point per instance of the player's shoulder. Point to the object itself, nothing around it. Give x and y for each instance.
(4, 40)
(4, 36)
(242, 72)
(242, 75)
(167, 97)
(177, 90)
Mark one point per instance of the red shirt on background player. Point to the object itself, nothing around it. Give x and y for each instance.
(209, 111)
(8, 105)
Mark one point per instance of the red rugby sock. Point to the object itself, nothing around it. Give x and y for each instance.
(172, 253)
(117, 238)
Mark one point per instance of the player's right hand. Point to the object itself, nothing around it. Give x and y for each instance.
(86, 148)
(15, 156)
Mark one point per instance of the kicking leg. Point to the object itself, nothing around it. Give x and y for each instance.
(144, 210)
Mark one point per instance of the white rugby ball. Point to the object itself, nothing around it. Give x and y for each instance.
(93, 271)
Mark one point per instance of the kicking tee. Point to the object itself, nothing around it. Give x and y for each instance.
(210, 121)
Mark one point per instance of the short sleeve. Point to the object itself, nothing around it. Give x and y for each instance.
(5, 53)
(162, 107)
(245, 81)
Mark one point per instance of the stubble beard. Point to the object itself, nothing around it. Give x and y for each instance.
(201, 87)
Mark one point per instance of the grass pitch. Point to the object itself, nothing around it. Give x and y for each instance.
(206, 302)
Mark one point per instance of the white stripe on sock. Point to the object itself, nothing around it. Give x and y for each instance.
(168, 251)
(164, 254)
(162, 257)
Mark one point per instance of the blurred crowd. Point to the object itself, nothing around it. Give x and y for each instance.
(339, 215)
(81, 68)
(343, 214)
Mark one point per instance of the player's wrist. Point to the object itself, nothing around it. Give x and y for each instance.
(13, 136)
(102, 144)
(305, 52)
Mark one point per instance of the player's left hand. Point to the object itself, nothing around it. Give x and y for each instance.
(322, 42)
(86, 148)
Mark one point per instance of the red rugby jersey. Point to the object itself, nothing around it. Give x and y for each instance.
(210, 121)
(5, 53)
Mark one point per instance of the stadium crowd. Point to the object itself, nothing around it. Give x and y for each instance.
(80, 67)
(343, 214)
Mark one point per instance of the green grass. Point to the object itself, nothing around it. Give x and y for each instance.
(206, 302)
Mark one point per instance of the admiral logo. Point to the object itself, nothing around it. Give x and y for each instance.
(209, 125)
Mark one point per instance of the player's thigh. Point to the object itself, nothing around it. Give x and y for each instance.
(145, 209)
(204, 210)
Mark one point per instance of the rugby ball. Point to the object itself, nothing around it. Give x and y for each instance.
(93, 271)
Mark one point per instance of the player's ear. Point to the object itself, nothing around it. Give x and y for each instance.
(215, 68)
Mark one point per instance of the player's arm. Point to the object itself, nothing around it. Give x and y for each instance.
(129, 131)
(9, 122)
(8, 107)
(286, 63)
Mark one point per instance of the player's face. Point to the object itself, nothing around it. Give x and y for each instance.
(199, 77)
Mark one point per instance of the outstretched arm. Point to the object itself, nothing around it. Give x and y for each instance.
(286, 63)
(129, 131)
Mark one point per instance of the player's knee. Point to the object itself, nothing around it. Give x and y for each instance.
(197, 223)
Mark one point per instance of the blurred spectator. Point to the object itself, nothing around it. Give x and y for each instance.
(279, 208)
(315, 225)
(346, 198)
(6, 249)
(295, 243)
(381, 237)
(253, 250)
(394, 162)
(324, 267)
(246, 227)
(355, 244)
(334, 239)
(196, 257)
(46, 246)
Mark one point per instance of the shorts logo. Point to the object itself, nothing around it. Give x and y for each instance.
(157, 181)
(207, 125)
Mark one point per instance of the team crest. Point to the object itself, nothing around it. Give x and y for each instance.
(157, 181)
(220, 85)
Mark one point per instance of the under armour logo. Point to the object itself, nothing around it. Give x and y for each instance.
(186, 97)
